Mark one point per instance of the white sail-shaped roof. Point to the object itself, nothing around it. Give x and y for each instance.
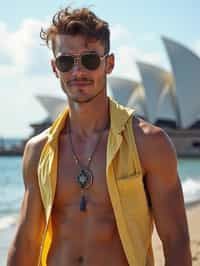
(121, 89)
(186, 69)
(155, 81)
(53, 105)
(137, 101)
(166, 108)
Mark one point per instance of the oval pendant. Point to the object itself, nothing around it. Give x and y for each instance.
(85, 178)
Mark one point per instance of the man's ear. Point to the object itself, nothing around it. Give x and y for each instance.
(110, 63)
(54, 68)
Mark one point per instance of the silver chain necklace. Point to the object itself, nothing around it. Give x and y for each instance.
(85, 176)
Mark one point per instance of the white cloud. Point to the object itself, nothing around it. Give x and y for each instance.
(118, 32)
(125, 63)
(126, 58)
(149, 37)
(22, 48)
(24, 71)
(152, 58)
(127, 53)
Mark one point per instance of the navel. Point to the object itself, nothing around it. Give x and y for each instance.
(80, 260)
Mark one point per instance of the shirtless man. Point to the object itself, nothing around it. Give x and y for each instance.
(84, 225)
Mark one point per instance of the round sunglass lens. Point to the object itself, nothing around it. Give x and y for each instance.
(91, 61)
(64, 63)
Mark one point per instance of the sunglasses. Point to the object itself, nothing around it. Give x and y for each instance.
(90, 61)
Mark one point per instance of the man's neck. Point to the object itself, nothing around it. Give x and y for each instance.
(89, 118)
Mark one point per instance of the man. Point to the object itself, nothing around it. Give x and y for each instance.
(98, 176)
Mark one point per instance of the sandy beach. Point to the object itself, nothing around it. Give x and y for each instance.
(193, 216)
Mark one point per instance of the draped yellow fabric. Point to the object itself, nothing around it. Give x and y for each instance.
(124, 181)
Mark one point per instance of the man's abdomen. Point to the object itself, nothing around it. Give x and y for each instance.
(89, 239)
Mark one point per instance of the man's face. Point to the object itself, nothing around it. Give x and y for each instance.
(79, 83)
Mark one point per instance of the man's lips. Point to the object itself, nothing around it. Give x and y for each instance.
(80, 82)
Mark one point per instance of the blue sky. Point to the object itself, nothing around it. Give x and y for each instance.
(136, 28)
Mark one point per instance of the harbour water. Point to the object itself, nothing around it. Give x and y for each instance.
(11, 191)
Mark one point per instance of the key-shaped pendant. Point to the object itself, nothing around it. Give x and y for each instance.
(83, 203)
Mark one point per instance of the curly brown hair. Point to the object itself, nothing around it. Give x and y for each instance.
(77, 21)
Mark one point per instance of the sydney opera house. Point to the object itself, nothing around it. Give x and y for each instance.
(170, 100)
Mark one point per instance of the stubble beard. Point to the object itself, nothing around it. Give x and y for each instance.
(75, 99)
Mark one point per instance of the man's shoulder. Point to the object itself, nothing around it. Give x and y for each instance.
(147, 131)
(38, 141)
(35, 145)
(152, 141)
(31, 156)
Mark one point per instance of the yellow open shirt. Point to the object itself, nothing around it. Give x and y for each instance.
(124, 181)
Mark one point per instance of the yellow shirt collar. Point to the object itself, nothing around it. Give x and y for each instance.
(118, 120)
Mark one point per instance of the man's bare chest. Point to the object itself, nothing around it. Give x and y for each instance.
(68, 189)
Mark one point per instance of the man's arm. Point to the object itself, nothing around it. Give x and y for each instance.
(159, 164)
(25, 248)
